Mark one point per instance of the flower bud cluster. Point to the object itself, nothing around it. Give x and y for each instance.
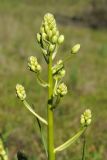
(61, 90)
(49, 33)
(58, 70)
(86, 118)
(33, 64)
(20, 92)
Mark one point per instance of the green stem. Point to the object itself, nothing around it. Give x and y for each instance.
(67, 58)
(51, 154)
(84, 147)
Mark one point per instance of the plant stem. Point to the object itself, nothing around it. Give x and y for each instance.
(51, 154)
(84, 147)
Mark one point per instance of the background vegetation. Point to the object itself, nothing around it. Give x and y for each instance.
(86, 75)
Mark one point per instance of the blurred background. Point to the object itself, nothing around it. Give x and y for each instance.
(81, 21)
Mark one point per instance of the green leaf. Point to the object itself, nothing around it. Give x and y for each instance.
(42, 136)
(41, 82)
(33, 112)
(70, 141)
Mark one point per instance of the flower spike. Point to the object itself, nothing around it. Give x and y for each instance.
(20, 92)
(86, 118)
(49, 38)
(33, 64)
(61, 90)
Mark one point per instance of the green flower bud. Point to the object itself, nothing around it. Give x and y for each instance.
(51, 47)
(42, 29)
(61, 39)
(88, 122)
(57, 66)
(82, 119)
(54, 39)
(75, 49)
(45, 23)
(20, 92)
(54, 31)
(58, 70)
(49, 33)
(38, 37)
(44, 51)
(52, 24)
(44, 35)
(33, 64)
(62, 73)
(62, 89)
(86, 118)
(47, 29)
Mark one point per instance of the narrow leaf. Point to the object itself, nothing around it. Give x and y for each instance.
(57, 101)
(70, 141)
(33, 112)
(41, 82)
(42, 136)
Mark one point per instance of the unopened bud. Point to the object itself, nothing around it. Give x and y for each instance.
(44, 51)
(61, 39)
(49, 33)
(44, 35)
(46, 29)
(54, 31)
(57, 67)
(51, 47)
(75, 49)
(42, 30)
(62, 73)
(88, 122)
(54, 39)
(38, 37)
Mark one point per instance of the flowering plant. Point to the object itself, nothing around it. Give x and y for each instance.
(49, 40)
